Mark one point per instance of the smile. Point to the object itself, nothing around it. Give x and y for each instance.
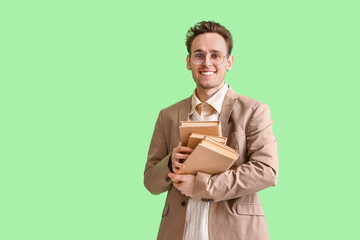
(207, 73)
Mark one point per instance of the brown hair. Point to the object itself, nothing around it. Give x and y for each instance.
(208, 27)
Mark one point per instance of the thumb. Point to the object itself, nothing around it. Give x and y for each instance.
(174, 176)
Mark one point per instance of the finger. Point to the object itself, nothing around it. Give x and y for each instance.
(178, 165)
(180, 156)
(177, 171)
(174, 176)
(183, 149)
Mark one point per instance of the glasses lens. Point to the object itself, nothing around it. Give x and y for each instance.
(198, 58)
(217, 58)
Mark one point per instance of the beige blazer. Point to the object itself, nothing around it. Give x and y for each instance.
(235, 210)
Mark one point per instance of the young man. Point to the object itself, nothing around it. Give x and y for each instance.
(226, 205)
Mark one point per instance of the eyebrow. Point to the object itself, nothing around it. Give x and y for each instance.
(211, 50)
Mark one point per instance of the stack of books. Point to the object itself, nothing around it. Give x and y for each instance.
(211, 154)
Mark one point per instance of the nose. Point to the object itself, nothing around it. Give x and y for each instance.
(207, 60)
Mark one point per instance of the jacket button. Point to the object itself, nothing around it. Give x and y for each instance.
(183, 203)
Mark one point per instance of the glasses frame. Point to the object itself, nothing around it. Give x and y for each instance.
(206, 54)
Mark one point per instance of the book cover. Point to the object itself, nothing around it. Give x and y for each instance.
(203, 127)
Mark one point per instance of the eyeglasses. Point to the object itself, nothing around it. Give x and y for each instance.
(216, 58)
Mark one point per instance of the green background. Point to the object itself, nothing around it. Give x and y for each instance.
(82, 83)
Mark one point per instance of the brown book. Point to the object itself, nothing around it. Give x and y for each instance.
(204, 127)
(195, 139)
(210, 157)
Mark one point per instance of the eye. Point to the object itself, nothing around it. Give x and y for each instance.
(215, 55)
(199, 55)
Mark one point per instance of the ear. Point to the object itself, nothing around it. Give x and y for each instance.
(229, 63)
(188, 62)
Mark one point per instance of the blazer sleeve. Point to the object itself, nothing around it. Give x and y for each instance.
(156, 172)
(258, 173)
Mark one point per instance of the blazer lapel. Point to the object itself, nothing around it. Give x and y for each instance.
(227, 108)
(184, 110)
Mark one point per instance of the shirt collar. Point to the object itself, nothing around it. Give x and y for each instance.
(215, 101)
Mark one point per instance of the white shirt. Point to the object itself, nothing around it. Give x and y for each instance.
(197, 213)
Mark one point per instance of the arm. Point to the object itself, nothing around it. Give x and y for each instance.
(258, 173)
(156, 169)
(160, 163)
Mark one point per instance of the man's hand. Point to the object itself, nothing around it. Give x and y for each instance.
(186, 184)
(179, 154)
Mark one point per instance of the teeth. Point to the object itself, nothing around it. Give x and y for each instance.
(207, 73)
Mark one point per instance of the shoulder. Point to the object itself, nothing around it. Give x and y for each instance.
(247, 108)
(246, 102)
(171, 113)
(174, 108)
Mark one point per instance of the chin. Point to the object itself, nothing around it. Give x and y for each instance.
(206, 86)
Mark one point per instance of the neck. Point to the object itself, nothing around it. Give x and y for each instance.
(204, 94)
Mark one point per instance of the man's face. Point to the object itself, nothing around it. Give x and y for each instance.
(207, 75)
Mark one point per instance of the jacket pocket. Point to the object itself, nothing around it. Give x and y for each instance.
(250, 209)
(165, 211)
